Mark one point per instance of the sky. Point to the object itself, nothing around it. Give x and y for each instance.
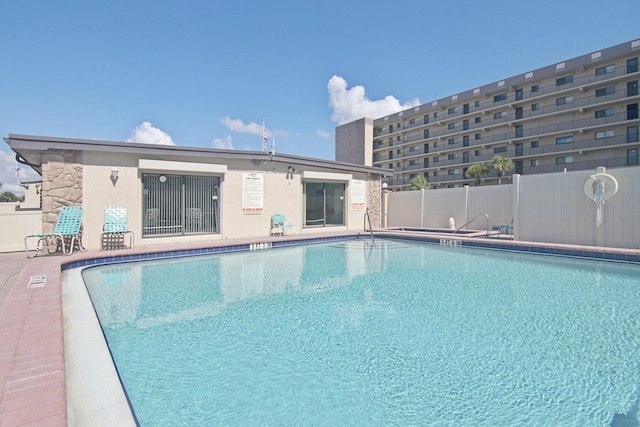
(210, 73)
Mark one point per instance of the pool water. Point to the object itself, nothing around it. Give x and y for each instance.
(398, 333)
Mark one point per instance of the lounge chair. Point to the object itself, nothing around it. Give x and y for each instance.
(115, 228)
(66, 233)
(279, 224)
(506, 229)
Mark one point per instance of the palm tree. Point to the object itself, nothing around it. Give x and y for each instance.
(477, 172)
(419, 183)
(501, 165)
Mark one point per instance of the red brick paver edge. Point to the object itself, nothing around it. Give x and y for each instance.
(32, 374)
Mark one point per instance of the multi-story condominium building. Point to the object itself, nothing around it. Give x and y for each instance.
(574, 115)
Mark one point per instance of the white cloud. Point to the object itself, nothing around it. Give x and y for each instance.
(322, 134)
(237, 125)
(352, 104)
(147, 134)
(225, 143)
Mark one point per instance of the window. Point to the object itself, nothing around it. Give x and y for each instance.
(390, 141)
(435, 144)
(564, 80)
(519, 94)
(632, 157)
(426, 148)
(604, 134)
(413, 175)
(535, 163)
(519, 149)
(452, 156)
(604, 91)
(605, 113)
(399, 151)
(535, 88)
(454, 172)
(500, 115)
(179, 205)
(397, 125)
(478, 120)
(426, 133)
(500, 150)
(324, 204)
(465, 109)
(413, 148)
(390, 165)
(518, 167)
(435, 173)
(564, 159)
(477, 136)
(412, 121)
(605, 70)
(413, 162)
(465, 125)
(398, 138)
(632, 88)
(564, 140)
(390, 128)
(535, 144)
(436, 159)
(632, 134)
(518, 113)
(535, 107)
(632, 111)
(465, 157)
(465, 141)
(477, 153)
(452, 141)
(453, 110)
(435, 115)
(425, 162)
(453, 125)
(476, 104)
(426, 119)
(632, 65)
(564, 100)
(519, 131)
(500, 97)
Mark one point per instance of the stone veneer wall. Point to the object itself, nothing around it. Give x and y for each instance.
(374, 203)
(61, 184)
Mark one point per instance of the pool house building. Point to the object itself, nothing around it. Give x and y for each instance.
(184, 194)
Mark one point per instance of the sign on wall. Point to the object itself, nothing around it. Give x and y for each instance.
(358, 192)
(252, 193)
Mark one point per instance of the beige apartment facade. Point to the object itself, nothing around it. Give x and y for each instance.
(577, 114)
(184, 194)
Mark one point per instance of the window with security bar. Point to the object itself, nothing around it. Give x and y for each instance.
(180, 205)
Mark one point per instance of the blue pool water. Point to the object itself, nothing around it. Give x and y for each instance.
(399, 333)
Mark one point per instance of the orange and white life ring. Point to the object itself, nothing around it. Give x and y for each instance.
(611, 186)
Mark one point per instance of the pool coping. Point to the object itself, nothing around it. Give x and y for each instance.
(33, 364)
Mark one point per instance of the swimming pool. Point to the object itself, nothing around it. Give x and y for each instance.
(398, 333)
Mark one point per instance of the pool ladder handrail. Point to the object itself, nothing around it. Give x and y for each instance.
(367, 219)
(473, 219)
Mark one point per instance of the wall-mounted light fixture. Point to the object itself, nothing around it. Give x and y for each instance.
(114, 175)
(290, 171)
(162, 178)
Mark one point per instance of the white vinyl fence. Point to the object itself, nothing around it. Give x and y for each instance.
(15, 225)
(550, 208)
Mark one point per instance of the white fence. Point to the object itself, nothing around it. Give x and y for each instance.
(550, 208)
(15, 225)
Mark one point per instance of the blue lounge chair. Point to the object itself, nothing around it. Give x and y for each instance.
(67, 232)
(279, 224)
(115, 228)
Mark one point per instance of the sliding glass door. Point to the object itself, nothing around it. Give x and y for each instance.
(324, 204)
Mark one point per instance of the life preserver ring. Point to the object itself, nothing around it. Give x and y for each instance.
(611, 188)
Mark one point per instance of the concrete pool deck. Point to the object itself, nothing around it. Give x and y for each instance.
(33, 371)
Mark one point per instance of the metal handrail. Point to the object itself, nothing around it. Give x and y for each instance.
(473, 219)
(367, 218)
